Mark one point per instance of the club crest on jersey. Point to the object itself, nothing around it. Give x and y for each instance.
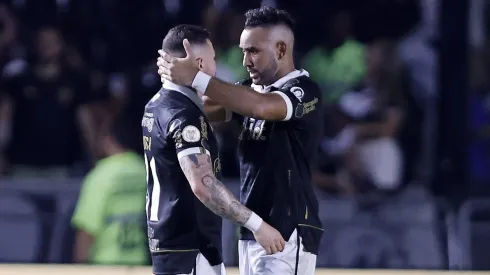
(190, 133)
(297, 92)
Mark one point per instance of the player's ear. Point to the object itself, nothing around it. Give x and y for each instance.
(199, 63)
(281, 49)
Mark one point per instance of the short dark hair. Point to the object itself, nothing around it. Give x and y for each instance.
(267, 17)
(172, 43)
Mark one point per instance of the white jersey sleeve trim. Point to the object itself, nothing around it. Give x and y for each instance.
(289, 104)
(193, 150)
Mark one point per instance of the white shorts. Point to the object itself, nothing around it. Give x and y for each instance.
(204, 268)
(254, 260)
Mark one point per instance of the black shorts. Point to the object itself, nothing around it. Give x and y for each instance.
(188, 263)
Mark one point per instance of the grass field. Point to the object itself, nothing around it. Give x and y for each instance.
(6, 269)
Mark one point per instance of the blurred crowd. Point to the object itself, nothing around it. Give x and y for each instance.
(76, 75)
(70, 67)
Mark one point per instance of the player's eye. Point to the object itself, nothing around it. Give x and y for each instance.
(250, 50)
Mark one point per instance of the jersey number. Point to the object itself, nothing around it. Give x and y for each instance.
(152, 213)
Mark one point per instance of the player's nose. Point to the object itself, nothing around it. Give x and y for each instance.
(246, 61)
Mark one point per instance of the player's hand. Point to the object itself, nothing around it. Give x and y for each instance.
(178, 70)
(269, 238)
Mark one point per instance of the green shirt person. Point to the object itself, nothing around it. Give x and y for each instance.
(338, 70)
(110, 214)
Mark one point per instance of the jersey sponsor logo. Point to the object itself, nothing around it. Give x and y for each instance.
(257, 132)
(299, 111)
(311, 106)
(204, 128)
(254, 129)
(190, 133)
(147, 122)
(297, 92)
(305, 108)
(177, 138)
(151, 232)
(146, 143)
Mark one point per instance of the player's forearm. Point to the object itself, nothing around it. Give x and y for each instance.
(239, 99)
(221, 201)
(210, 191)
(214, 111)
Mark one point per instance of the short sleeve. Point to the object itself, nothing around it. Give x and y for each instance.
(299, 101)
(188, 132)
(89, 212)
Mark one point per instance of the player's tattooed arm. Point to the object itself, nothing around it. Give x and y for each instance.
(198, 170)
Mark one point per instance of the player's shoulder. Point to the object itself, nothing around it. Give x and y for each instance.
(303, 82)
(167, 106)
(302, 87)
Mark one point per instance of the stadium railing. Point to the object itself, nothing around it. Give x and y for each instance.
(367, 222)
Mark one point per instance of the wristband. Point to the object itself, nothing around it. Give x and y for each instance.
(201, 82)
(254, 222)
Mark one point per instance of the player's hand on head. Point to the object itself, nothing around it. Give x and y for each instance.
(178, 70)
(270, 239)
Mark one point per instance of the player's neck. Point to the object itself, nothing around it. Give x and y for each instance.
(284, 71)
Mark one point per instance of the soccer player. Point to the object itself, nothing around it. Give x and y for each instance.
(182, 174)
(281, 130)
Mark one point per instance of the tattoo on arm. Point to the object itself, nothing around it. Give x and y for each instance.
(199, 170)
(194, 160)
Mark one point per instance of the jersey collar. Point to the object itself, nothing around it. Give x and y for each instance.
(281, 81)
(192, 95)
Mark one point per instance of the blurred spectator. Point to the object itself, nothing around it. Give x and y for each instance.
(226, 28)
(338, 64)
(418, 52)
(368, 120)
(479, 151)
(109, 217)
(226, 39)
(8, 33)
(479, 117)
(45, 108)
(143, 84)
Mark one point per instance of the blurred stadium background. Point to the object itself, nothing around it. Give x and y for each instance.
(403, 176)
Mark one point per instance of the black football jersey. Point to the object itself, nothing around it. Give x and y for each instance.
(179, 225)
(275, 159)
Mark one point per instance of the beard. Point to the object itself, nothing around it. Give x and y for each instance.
(267, 75)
